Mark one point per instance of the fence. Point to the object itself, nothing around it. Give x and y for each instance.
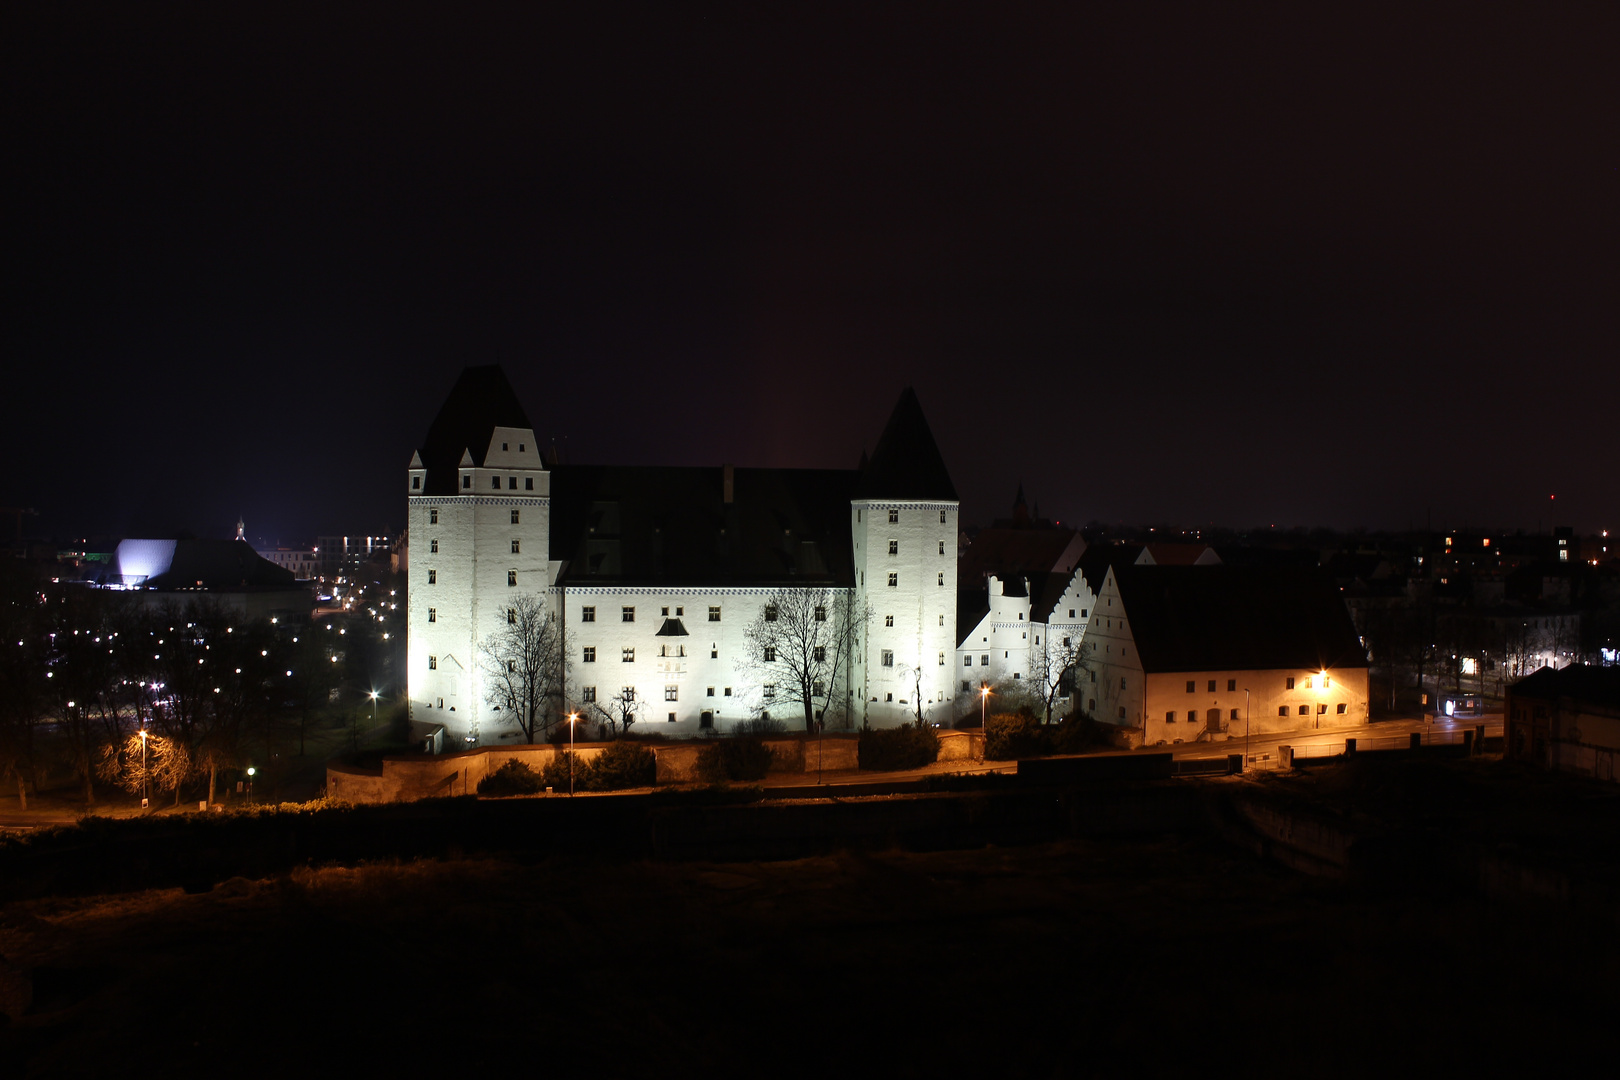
(1468, 740)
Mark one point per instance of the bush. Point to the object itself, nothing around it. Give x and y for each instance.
(555, 774)
(889, 749)
(1009, 736)
(764, 725)
(512, 778)
(734, 759)
(1080, 734)
(623, 765)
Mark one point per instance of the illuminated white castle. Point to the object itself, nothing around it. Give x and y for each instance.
(655, 572)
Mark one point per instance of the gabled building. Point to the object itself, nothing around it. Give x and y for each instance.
(656, 572)
(1196, 652)
(1566, 719)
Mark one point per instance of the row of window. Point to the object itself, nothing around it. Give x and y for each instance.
(511, 575)
(495, 482)
(433, 516)
(894, 517)
(894, 547)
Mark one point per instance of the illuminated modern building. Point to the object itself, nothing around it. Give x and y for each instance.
(225, 572)
(656, 572)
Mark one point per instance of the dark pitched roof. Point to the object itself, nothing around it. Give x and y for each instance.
(652, 525)
(906, 463)
(1009, 552)
(183, 564)
(1226, 618)
(1098, 558)
(1590, 685)
(481, 401)
(972, 605)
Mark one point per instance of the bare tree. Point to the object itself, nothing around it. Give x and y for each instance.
(1054, 665)
(801, 643)
(525, 667)
(617, 713)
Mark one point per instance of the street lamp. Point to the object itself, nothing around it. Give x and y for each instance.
(1245, 729)
(572, 719)
(984, 730)
(374, 708)
(145, 793)
(251, 771)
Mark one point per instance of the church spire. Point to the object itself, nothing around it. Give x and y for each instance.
(241, 529)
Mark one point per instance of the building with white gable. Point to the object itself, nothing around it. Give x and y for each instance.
(656, 572)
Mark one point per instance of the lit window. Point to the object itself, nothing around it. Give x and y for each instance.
(587, 693)
(714, 614)
(433, 663)
(587, 614)
(888, 658)
(1307, 684)
(629, 655)
(433, 614)
(590, 654)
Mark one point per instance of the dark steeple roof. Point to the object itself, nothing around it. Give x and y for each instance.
(906, 463)
(481, 401)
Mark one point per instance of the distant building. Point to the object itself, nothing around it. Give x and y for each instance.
(226, 572)
(303, 562)
(1566, 719)
(1193, 652)
(342, 555)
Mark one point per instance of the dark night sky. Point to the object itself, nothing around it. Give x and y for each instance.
(1170, 264)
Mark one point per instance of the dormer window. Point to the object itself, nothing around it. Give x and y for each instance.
(503, 446)
(495, 482)
(466, 480)
(416, 483)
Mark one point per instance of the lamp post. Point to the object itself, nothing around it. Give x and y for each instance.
(572, 719)
(251, 771)
(984, 728)
(374, 708)
(145, 792)
(1245, 729)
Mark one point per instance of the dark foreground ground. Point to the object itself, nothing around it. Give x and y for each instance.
(1153, 954)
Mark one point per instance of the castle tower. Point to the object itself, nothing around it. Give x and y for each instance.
(479, 519)
(903, 521)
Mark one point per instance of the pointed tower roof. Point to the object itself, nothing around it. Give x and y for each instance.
(481, 401)
(906, 464)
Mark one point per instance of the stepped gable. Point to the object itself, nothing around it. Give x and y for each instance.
(1230, 618)
(906, 463)
(481, 401)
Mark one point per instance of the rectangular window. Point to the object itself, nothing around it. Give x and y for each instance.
(629, 655)
(942, 578)
(894, 517)
(894, 547)
(511, 578)
(711, 692)
(416, 482)
(495, 482)
(770, 654)
(1231, 685)
(1304, 710)
(511, 483)
(587, 614)
(967, 661)
(1169, 717)
(770, 691)
(1321, 708)
(727, 691)
(888, 620)
(511, 616)
(1282, 710)
(1122, 682)
(1212, 686)
(770, 612)
(528, 483)
(1082, 613)
(820, 654)
(1326, 682)
(433, 546)
(672, 693)
(942, 517)
(714, 614)
(1340, 710)
(628, 693)
(821, 613)
(664, 612)
(1071, 613)
(818, 688)
(888, 658)
(587, 693)
(627, 614)
(433, 663)
(1290, 682)
(894, 579)
(433, 614)
(941, 659)
(1191, 686)
(466, 481)
(433, 516)
(515, 545)
(433, 577)
(1234, 715)
(514, 517)
(984, 661)
(590, 654)
(966, 686)
(1308, 684)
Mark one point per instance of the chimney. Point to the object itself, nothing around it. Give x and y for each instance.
(729, 472)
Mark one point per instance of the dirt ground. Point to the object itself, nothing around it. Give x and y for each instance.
(1078, 957)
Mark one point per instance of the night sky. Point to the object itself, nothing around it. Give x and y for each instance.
(1161, 264)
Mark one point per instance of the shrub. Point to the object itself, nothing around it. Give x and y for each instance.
(623, 765)
(763, 725)
(1080, 734)
(888, 749)
(734, 759)
(1016, 735)
(512, 778)
(555, 774)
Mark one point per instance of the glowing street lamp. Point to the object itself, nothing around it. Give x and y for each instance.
(251, 771)
(573, 718)
(374, 708)
(984, 730)
(144, 792)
